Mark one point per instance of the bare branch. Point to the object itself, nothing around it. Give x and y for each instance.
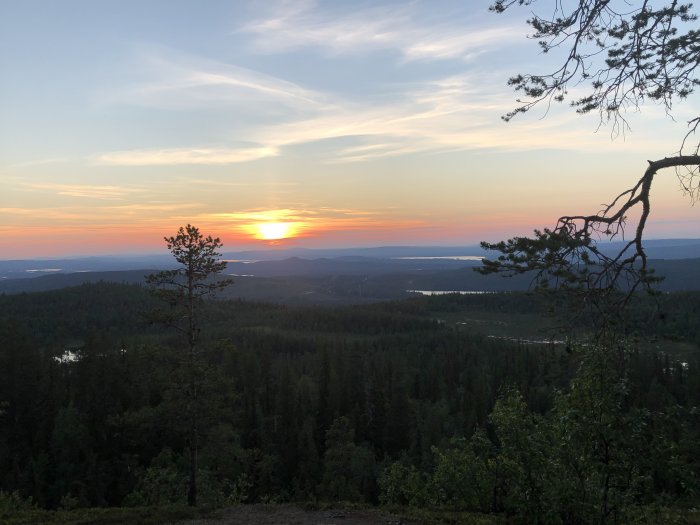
(570, 257)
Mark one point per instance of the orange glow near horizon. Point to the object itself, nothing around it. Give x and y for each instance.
(77, 232)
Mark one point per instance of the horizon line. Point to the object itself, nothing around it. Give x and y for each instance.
(273, 249)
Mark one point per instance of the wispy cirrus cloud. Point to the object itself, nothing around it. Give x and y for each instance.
(42, 215)
(447, 114)
(101, 211)
(101, 192)
(180, 156)
(412, 30)
(40, 162)
(171, 79)
(270, 115)
(132, 209)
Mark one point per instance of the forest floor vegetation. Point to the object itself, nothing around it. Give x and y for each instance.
(280, 514)
(257, 514)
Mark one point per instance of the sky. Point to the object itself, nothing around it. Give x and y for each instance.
(296, 124)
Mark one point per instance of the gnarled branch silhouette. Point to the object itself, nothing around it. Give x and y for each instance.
(570, 256)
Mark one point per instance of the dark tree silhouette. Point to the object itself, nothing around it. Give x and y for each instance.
(184, 289)
(627, 53)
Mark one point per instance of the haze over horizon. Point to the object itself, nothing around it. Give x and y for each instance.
(295, 124)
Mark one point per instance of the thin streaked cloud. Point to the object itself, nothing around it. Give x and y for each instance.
(216, 183)
(40, 162)
(170, 207)
(87, 191)
(180, 156)
(172, 79)
(142, 213)
(41, 215)
(18, 211)
(449, 114)
(406, 29)
(455, 113)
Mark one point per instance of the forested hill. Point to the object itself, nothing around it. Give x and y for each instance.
(377, 402)
(349, 280)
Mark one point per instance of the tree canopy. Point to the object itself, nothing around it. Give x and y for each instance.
(624, 53)
(618, 55)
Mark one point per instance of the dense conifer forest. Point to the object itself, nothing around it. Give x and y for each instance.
(411, 403)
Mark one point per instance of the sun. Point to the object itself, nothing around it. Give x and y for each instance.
(272, 231)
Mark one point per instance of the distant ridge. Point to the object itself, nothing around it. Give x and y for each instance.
(669, 249)
(349, 279)
(655, 248)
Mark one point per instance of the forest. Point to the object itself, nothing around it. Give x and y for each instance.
(411, 403)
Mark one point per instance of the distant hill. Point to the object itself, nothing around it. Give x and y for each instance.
(349, 279)
(301, 261)
(655, 248)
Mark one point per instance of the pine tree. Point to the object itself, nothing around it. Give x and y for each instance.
(184, 289)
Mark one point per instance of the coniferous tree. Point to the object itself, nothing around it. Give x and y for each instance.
(184, 289)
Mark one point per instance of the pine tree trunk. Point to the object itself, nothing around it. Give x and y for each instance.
(192, 485)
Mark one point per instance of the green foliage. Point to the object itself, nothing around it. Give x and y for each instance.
(401, 484)
(71, 458)
(594, 458)
(464, 474)
(306, 403)
(348, 467)
(12, 502)
(162, 483)
(617, 457)
(524, 460)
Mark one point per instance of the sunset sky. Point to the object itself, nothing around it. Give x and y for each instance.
(329, 124)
